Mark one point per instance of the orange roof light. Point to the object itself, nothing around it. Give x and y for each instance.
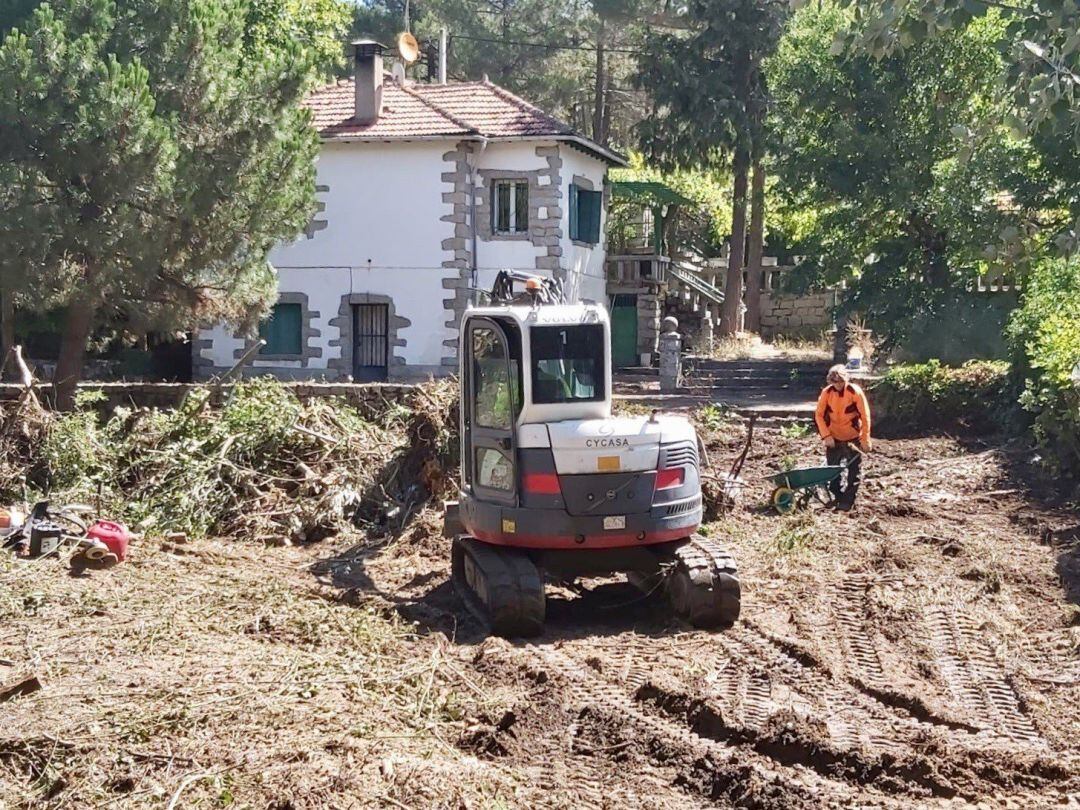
(533, 284)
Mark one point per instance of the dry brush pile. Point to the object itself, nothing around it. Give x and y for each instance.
(263, 465)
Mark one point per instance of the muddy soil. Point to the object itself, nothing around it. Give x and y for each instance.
(919, 651)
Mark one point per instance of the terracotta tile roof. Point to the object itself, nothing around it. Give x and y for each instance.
(427, 110)
(404, 114)
(491, 110)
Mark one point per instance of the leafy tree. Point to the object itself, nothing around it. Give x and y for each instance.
(1040, 44)
(908, 207)
(710, 189)
(153, 152)
(1046, 353)
(708, 102)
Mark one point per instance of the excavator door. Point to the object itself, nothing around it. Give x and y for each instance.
(492, 387)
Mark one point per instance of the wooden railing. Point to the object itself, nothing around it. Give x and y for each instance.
(629, 268)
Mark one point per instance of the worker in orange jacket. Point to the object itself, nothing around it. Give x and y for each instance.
(843, 422)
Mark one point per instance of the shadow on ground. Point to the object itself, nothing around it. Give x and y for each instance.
(600, 607)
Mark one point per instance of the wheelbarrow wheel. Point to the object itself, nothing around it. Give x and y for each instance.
(783, 500)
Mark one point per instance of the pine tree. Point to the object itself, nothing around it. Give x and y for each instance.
(152, 152)
(707, 89)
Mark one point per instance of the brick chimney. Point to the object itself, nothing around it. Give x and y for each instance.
(368, 71)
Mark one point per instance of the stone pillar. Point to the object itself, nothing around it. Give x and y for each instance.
(707, 333)
(670, 355)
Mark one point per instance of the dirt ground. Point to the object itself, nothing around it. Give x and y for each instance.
(921, 651)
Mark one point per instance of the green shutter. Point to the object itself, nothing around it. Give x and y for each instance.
(597, 204)
(283, 330)
(521, 206)
(573, 212)
(585, 208)
(502, 207)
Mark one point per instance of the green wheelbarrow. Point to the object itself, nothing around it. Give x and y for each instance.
(794, 489)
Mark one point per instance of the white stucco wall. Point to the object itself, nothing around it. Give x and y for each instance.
(384, 236)
(492, 256)
(382, 208)
(584, 265)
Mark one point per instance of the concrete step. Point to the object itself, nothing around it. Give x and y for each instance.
(711, 378)
(725, 386)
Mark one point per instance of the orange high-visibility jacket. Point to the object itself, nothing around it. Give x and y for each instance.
(844, 415)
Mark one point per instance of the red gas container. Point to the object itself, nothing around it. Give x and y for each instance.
(113, 535)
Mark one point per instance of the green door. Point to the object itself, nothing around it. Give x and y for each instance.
(624, 331)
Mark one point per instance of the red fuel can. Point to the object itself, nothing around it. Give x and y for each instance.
(113, 535)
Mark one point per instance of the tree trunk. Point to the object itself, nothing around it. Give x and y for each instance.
(7, 327)
(757, 247)
(600, 90)
(840, 347)
(69, 366)
(729, 315)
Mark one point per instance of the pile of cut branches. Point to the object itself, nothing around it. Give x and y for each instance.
(263, 466)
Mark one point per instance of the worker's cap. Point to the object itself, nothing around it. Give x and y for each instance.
(837, 373)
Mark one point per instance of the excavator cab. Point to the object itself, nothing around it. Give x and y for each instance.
(555, 487)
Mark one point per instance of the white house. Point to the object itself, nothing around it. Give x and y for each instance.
(425, 192)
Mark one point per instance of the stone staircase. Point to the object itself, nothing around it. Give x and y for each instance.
(780, 390)
(775, 391)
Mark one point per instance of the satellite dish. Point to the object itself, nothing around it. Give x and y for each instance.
(398, 72)
(408, 47)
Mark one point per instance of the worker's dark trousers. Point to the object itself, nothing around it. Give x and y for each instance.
(834, 455)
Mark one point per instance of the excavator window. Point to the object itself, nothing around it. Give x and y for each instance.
(567, 363)
(491, 378)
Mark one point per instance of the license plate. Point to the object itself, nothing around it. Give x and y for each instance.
(615, 522)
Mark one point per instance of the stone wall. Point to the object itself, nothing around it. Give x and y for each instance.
(796, 315)
(369, 398)
(648, 322)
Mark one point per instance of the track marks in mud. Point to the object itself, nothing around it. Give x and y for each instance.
(974, 678)
(852, 719)
(588, 690)
(850, 599)
(977, 680)
(791, 740)
(744, 717)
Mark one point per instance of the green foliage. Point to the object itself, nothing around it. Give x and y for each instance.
(714, 417)
(1040, 42)
(507, 41)
(908, 206)
(203, 470)
(798, 533)
(154, 151)
(319, 26)
(1045, 336)
(976, 396)
(796, 430)
(706, 81)
(962, 326)
(709, 188)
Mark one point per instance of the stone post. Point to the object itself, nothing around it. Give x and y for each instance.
(670, 355)
(707, 333)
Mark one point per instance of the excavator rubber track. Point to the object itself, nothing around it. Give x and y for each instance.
(702, 583)
(502, 587)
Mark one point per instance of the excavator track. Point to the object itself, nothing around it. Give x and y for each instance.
(702, 583)
(502, 587)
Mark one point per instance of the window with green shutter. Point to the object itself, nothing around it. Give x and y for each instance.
(585, 209)
(283, 331)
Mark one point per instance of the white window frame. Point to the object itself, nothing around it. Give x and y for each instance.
(512, 229)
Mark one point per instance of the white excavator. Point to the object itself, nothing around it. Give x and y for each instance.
(553, 486)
